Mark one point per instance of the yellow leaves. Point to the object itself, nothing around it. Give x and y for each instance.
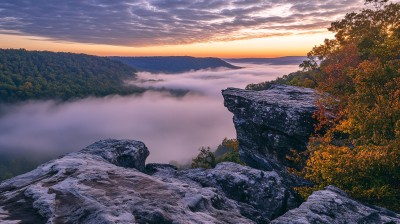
(367, 172)
(231, 143)
(397, 129)
(26, 86)
(345, 126)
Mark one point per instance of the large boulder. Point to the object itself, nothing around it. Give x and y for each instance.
(333, 206)
(271, 122)
(124, 153)
(103, 183)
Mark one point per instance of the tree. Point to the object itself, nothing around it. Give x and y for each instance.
(205, 159)
(357, 146)
(227, 151)
(232, 154)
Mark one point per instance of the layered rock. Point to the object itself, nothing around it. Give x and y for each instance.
(332, 205)
(103, 183)
(271, 122)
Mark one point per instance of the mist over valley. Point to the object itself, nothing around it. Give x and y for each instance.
(173, 127)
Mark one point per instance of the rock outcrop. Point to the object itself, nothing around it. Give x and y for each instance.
(332, 205)
(103, 183)
(271, 122)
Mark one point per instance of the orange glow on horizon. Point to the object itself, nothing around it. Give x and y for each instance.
(293, 45)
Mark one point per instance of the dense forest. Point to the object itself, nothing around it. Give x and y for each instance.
(47, 75)
(356, 145)
(173, 64)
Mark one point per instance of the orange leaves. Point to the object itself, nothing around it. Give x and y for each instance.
(337, 68)
(360, 148)
(357, 141)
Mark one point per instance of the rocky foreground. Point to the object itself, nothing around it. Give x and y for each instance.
(109, 182)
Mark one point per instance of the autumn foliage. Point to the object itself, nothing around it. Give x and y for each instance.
(357, 141)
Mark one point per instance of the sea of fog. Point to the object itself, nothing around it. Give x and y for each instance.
(173, 128)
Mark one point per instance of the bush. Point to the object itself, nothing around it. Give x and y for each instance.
(227, 151)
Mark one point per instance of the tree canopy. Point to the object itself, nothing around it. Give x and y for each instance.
(47, 75)
(359, 147)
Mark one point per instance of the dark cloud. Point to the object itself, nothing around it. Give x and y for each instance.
(162, 22)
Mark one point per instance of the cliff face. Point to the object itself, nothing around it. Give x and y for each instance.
(271, 122)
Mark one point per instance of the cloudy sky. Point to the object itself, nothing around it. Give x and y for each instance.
(223, 28)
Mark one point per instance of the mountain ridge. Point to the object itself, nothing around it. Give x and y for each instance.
(43, 75)
(286, 60)
(173, 64)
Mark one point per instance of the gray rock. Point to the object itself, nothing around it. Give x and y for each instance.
(95, 185)
(124, 153)
(271, 122)
(333, 206)
(260, 195)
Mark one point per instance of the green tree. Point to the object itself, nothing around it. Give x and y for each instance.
(205, 159)
(232, 151)
(227, 151)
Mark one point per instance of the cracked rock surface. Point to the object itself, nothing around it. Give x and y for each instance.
(104, 183)
(271, 122)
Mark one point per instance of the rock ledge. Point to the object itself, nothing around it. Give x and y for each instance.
(271, 122)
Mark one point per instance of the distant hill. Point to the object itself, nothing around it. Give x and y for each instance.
(48, 75)
(288, 60)
(173, 64)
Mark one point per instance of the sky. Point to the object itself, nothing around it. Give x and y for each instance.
(218, 28)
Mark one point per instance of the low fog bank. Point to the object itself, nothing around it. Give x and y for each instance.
(172, 127)
(211, 82)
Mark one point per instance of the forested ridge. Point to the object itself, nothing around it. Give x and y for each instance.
(48, 75)
(173, 64)
(356, 145)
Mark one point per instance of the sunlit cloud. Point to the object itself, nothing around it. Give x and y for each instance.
(139, 23)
